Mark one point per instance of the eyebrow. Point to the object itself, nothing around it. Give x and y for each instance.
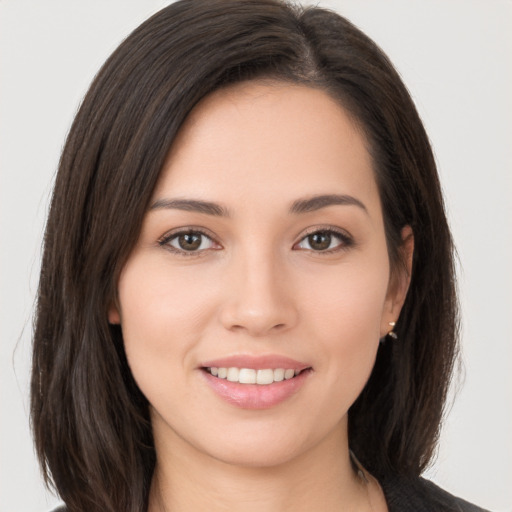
(299, 206)
(191, 205)
(314, 203)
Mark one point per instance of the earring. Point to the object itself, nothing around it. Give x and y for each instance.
(392, 333)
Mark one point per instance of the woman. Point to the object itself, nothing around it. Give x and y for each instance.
(247, 280)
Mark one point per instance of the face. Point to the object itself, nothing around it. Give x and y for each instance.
(253, 303)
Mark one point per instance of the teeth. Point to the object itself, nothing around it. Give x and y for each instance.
(265, 376)
(278, 374)
(247, 376)
(233, 374)
(288, 374)
(250, 376)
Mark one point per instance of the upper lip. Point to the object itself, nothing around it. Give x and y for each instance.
(259, 362)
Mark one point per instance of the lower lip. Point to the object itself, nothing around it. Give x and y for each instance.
(256, 396)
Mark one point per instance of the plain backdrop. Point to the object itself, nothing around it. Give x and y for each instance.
(456, 58)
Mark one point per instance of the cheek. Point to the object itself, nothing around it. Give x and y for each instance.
(162, 316)
(348, 301)
(345, 320)
(154, 299)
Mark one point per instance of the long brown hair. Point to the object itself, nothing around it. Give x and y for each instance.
(90, 421)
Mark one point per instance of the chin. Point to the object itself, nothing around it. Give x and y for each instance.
(268, 444)
(254, 455)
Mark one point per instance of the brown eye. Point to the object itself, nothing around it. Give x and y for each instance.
(188, 242)
(319, 241)
(325, 240)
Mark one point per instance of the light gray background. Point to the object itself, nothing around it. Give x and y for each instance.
(455, 57)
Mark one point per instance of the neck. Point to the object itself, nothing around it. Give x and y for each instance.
(320, 479)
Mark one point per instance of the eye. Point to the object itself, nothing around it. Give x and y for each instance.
(324, 240)
(190, 241)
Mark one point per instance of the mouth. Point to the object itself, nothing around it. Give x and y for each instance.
(262, 377)
(255, 382)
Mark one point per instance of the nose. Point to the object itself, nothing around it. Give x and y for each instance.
(260, 299)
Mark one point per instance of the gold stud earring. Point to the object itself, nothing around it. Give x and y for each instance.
(392, 333)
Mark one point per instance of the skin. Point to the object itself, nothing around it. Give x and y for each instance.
(257, 286)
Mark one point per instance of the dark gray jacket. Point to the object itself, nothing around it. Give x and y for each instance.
(413, 495)
(420, 495)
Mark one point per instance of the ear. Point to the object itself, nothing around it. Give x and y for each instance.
(114, 316)
(399, 282)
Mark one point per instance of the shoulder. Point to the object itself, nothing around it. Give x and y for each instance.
(405, 494)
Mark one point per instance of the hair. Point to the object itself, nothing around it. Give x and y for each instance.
(90, 420)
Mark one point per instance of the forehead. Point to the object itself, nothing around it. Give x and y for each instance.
(282, 139)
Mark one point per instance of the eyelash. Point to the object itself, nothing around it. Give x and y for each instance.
(346, 241)
(169, 237)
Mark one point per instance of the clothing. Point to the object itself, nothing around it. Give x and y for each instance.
(413, 495)
(420, 495)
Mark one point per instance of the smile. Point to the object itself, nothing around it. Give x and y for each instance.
(262, 377)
